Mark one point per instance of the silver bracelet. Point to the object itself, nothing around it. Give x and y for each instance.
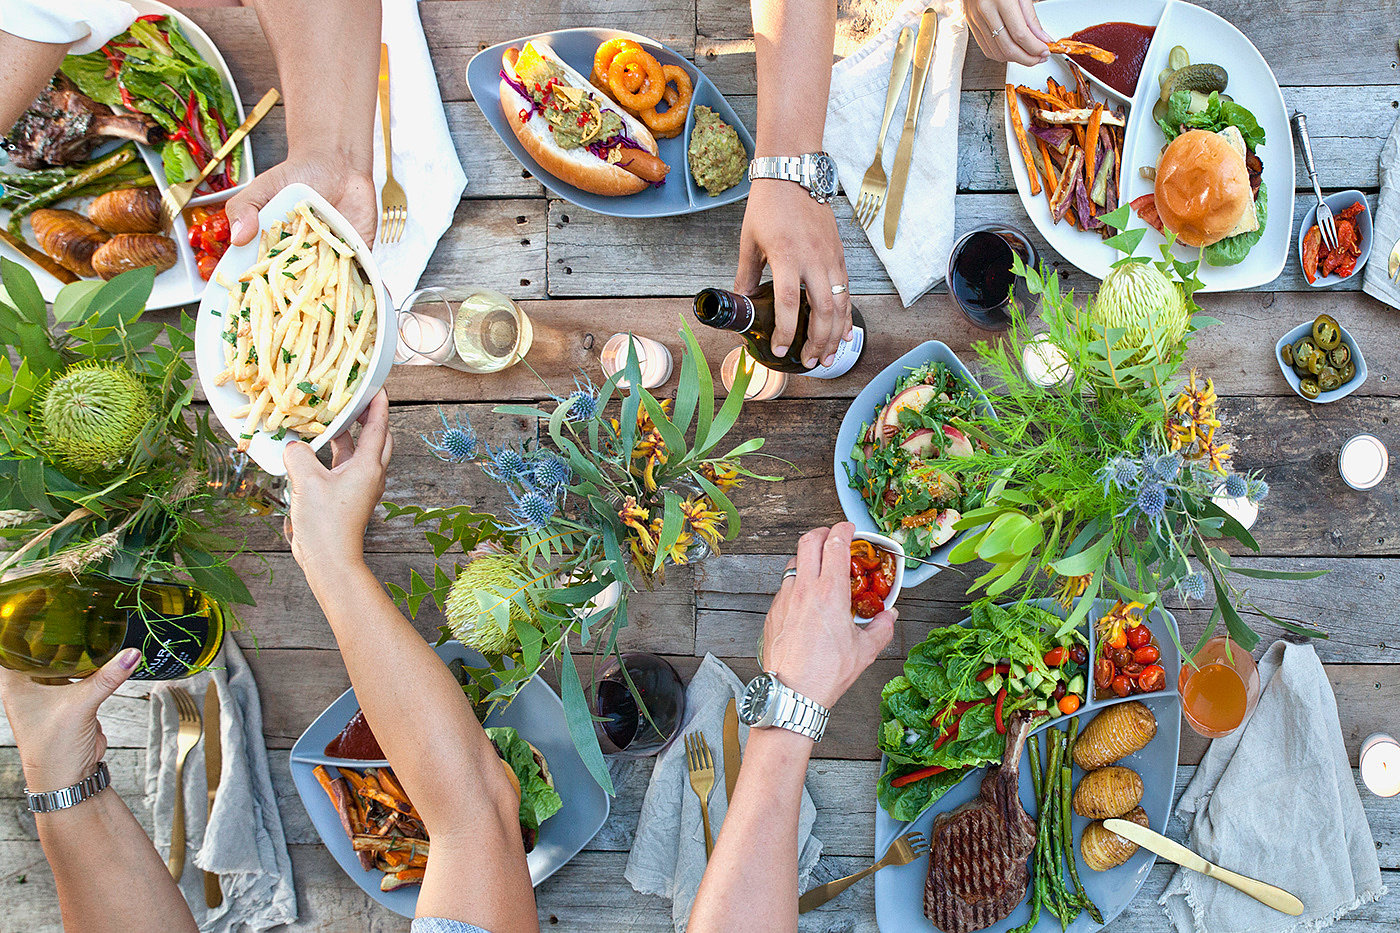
(73, 794)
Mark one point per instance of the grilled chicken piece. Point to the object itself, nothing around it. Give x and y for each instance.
(69, 237)
(64, 125)
(133, 251)
(127, 210)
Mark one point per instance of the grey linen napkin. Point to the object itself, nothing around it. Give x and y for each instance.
(859, 82)
(668, 853)
(1277, 801)
(1386, 226)
(242, 840)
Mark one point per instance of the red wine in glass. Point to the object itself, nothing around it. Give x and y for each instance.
(623, 727)
(980, 276)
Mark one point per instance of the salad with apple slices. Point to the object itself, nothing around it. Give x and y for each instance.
(899, 461)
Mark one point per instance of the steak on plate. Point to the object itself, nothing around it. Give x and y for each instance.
(977, 873)
(64, 125)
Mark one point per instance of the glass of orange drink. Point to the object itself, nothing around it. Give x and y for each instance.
(1218, 687)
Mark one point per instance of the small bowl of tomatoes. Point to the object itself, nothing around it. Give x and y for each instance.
(1323, 267)
(877, 574)
(208, 235)
(1127, 657)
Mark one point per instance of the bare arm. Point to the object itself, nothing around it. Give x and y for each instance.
(477, 871)
(327, 54)
(25, 67)
(109, 877)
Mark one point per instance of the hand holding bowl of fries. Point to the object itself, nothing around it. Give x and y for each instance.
(296, 332)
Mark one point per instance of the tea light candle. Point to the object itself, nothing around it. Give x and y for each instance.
(423, 340)
(653, 358)
(1363, 461)
(1380, 765)
(1237, 507)
(764, 384)
(1044, 363)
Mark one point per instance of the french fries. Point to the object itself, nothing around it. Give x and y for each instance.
(384, 829)
(299, 329)
(1073, 47)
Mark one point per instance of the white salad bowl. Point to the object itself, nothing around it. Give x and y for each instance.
(885, 543)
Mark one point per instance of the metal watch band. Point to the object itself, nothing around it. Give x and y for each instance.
(73, 794)
(799, 714)
(787, 168)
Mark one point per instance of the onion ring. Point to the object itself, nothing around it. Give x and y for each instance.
(670, 122)
(652, 87)
(603, 58)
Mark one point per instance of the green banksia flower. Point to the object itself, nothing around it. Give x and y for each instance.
(489, 579)
(89, 417)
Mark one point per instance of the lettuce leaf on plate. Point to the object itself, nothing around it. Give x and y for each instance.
(1233, 249)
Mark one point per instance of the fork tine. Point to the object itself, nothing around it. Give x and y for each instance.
(689, 754)
(709, 759)
(403, 221)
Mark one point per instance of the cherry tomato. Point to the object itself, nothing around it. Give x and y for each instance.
(880, 584)
(1117, 638)
(859, 584)
(1103, 673)
(1147, 654)
(867, 605)
(1069, 704)
(206, 266)
(1121, 656)
(863, 553)
(1059, 691)
(1132, 668)
(1122, 685)
(219, 223)
(1078, 654)
(1138, 636)
(856, 569)
(1055, 657)
(1152, 679)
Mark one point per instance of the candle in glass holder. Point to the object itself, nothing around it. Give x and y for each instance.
(1363, 461)
(424, 340)
(1380, 765)
(653, 358)
(764, 384)
(1044, 363)
(1237, 507)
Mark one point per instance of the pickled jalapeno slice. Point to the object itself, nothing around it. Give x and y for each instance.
(1309, 388)
(1325, 333)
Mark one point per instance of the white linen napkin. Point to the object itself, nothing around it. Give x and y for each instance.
(89, 24)
(1385, 226)
(668, 852)
(859, 83)
(425, 161)
(242, 839)
(1277, 801)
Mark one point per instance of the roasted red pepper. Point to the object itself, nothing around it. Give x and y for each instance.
(996, 713)
(918, 775)
(1003, 668)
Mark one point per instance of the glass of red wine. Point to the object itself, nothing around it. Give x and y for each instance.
(626, 728)
(980, 276)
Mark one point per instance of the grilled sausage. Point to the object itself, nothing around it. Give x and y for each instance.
(133, 251)
(69, 237)
(127, 210)
(643, 164)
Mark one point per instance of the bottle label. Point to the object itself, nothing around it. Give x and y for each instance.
(170, 645)
(746, 314)
(846, 356)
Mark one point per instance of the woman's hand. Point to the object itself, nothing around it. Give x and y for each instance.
(347, 185)
(810, 638)
(60, 740)
(785, 228)
(1008, 30)
(330, 508)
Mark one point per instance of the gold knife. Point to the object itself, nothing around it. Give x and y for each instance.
(213, 767)
(1394, 268)
(1266, 894)
(923, 54)
(731, 749)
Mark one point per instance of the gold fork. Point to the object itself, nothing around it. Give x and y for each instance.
(177, 196)
(191, 728)
(874, 185)
(702, 780)
(902, 851)
(394, 213)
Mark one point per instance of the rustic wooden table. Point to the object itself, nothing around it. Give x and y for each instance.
(582, 276)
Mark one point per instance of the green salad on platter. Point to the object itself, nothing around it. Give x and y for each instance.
(900, 461)
(947, 713)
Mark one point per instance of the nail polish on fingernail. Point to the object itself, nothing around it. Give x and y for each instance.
(129, 658)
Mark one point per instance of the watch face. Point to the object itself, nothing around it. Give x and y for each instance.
(755, 699)
(824, 175)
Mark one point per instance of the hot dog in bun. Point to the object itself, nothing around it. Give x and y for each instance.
(572, 129)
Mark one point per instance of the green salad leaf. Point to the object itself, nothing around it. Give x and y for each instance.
(1233, 249)
(538, 798)
(1217, 115)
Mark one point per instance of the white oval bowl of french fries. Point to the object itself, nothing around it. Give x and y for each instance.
(292, 341)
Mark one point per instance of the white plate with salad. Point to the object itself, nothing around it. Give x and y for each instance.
(887, 452)
(167, 68)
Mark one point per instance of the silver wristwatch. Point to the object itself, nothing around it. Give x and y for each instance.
(767, 702)
(815, 171)
(73, 794)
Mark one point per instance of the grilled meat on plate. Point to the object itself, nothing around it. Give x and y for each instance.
(977, 872)
(64, 125)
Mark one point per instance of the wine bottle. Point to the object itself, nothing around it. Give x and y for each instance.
(753, 316)
(58, 625)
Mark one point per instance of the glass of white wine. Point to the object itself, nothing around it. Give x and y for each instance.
(476, 330)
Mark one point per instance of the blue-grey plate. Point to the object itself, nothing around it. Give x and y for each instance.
(537, 714)
(679, 194)
(862, 411)
(899, 892)
(1296, 384)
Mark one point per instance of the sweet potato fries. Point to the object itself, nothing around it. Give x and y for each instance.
(384, 828)
(1079, 141)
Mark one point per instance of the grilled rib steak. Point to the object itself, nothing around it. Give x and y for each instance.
(64, 125)
(977, 873)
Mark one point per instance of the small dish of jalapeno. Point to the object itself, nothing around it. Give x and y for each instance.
(1321, 360)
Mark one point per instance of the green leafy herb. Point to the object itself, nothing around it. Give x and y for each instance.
(287, 355)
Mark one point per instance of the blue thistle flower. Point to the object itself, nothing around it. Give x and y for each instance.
(1122, 472)
(532, 509)
(507, 465)
(1236, 486)
(551, 471)
(455, 443)
(1152, 501)
(1193, 586)
(1167, 467)
(582, 403)
(1258, 490)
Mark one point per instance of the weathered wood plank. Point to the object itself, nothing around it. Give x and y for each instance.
(500, 244)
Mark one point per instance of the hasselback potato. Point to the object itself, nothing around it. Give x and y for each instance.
(67, 236)
(127, 210)
(1116, 733)
(1107, 792)
(1104, 849)
(133, 251)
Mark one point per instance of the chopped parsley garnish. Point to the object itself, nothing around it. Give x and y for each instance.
(246, 437)
(246, 313)
(244, 289)
(327, 307)
(216, 313)
(252, 354)
(354, 371)
(281, 433)
(290, 275)
(231, 336)
(273, 252)
(307, 387)
(285, 234)
(358, 312)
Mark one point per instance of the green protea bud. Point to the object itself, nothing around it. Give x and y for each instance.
(89, 417)
(483, 583)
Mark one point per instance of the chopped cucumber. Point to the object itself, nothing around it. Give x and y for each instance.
(1018, 670)
(1076, 684)
(1046, 687)
(1034, 679)
(993, 683)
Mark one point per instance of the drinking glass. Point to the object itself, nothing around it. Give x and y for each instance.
(980, 277)
(1218, 687)
(653, 360)
(623, 728)
(475, 330)
(764, 383)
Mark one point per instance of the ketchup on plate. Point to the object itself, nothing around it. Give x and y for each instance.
(1129, 41)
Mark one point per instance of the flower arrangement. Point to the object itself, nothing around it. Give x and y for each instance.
(103, 462)
(1108, 482)
(597, 500)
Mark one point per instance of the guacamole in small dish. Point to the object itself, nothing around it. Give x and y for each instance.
(716, 154)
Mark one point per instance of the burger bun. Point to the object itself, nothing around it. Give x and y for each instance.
(1202, 188)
